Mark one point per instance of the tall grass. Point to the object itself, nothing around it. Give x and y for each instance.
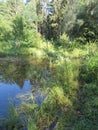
(68, 82)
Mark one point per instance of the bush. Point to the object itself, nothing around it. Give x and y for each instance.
(64, 40)
(89, 70)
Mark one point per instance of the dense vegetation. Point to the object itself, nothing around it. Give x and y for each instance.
(62, 35)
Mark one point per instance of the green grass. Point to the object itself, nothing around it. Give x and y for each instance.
(69, 78)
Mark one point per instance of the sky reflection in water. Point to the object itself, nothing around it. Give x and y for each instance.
(17, 83)
(13, 83)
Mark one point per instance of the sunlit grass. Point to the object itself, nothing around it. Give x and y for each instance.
(67, 79)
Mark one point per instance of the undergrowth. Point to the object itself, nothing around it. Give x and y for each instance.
(68, 81)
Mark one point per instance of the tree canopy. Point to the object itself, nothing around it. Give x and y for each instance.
(76, 18)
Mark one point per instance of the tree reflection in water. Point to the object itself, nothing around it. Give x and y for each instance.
(17, 77)
(14, 73)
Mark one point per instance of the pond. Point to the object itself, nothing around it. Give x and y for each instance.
(17, 82)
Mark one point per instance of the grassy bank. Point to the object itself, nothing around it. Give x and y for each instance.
(67, 79)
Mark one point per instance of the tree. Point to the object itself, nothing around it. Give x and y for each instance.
(81, 19)
(55, 18)
(15, 7)
(18, 28)
(89, 16)
(5, 23)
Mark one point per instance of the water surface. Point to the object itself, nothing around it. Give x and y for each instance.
(15, 82)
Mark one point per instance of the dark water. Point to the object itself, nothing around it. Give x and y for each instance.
(16, 82)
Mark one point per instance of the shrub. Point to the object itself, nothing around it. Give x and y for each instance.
(89, 70)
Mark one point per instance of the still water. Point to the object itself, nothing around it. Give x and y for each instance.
(16, 82)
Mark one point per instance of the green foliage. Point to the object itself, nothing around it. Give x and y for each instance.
(6, 31)
(64, 40)
(68, 73)
(58, 98)
(88, 78)
(31, 125)
(89, 69)
(69, 86)
(83, 23)
(12, 122)
(5, 23)
(18, 28)
(55, 19)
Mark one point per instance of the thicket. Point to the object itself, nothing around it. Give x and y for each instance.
(69, 61)
(66, 84)
(21, 22)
